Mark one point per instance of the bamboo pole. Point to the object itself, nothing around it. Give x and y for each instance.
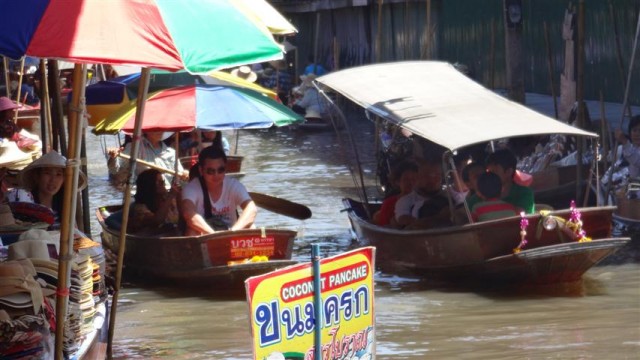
(143, 89)
(428, 44)
(76, 117)
(59, 140)
(7, 80)
(45, 109)
(619, 53)
(604, 130)
(19, 90)
(550, 68)
(580, 98)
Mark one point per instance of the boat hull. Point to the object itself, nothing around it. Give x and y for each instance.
(486, 250)
(186, 259)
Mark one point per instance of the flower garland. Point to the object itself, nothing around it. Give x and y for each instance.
(575, 223)
(524, 223)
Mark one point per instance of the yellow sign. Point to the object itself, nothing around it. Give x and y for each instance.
(282, 309)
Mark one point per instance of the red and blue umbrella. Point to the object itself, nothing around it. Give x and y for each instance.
(196, 35)
(201, 106)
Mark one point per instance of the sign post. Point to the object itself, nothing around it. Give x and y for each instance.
(290, 320)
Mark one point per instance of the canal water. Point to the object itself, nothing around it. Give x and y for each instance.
(596, 319)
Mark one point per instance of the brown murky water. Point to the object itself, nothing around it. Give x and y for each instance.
(598, 319)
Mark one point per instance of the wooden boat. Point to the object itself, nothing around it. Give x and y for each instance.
(434, 101)
(485, 250)
(216, 258)
(234, 165)
(556, 185)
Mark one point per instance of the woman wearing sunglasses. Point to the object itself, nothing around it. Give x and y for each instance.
(210, 201)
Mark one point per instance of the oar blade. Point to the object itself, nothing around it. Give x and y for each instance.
(281, 206)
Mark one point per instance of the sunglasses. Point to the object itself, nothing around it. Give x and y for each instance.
(212, 171)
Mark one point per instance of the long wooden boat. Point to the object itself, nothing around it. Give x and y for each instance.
(485, 250)
(221, 257)
(434, 101)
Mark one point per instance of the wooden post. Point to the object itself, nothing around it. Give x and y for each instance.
(7, 80)
(550, 68)
(513, 50)
(580, 99)
(492, 56)
(45, 110)
(69, 206)
(619, 54)
(59, 138)
(379, 33)
(315, 42)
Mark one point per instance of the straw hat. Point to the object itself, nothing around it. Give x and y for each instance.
(245, 72)
(312, 114)
(6, 216)
(7, 104)
(12, 157)
(50, 159)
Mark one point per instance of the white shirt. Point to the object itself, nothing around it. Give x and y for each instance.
(225, 209)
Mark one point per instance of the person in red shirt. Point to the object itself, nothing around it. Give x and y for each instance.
(404, 177)
(491, 207)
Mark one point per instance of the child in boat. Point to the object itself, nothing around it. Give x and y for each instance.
(491, 207)
(503, 163)
(155, 209)
(470, 175)
(404, 177)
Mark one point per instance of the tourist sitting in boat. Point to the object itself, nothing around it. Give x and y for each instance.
(42, 183)
(503, 163)
(427, 205)
(631, 151)
(155, 209)
(404, 177)
(153, 150)
(491, 207)
(210, 201)
(310, 103)
(470, 175)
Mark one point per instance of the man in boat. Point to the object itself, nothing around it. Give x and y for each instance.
(153, 150)
(210, 201)
(503, 163)
(427, 205)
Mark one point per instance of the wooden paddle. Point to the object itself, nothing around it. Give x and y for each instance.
(281, 206)
(267, 202)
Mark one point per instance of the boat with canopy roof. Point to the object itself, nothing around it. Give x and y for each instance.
(434, 101)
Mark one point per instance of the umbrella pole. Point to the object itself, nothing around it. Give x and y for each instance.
(19, 90)
(76, 117)
(7, 81)
(45, 110)
(143, 89)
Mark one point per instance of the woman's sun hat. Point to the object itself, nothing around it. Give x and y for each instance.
(12, 157)
(51, 159)
(7, 104)
(245, 72)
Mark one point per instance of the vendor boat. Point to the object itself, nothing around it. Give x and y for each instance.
(227, 257)
(434, 101)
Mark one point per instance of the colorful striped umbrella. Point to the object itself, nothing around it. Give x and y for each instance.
(197, 35)
(201, 106)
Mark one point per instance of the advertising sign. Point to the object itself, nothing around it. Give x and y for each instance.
(282, 309)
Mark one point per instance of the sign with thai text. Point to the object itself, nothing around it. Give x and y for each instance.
(282, 309)
(248, 247)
